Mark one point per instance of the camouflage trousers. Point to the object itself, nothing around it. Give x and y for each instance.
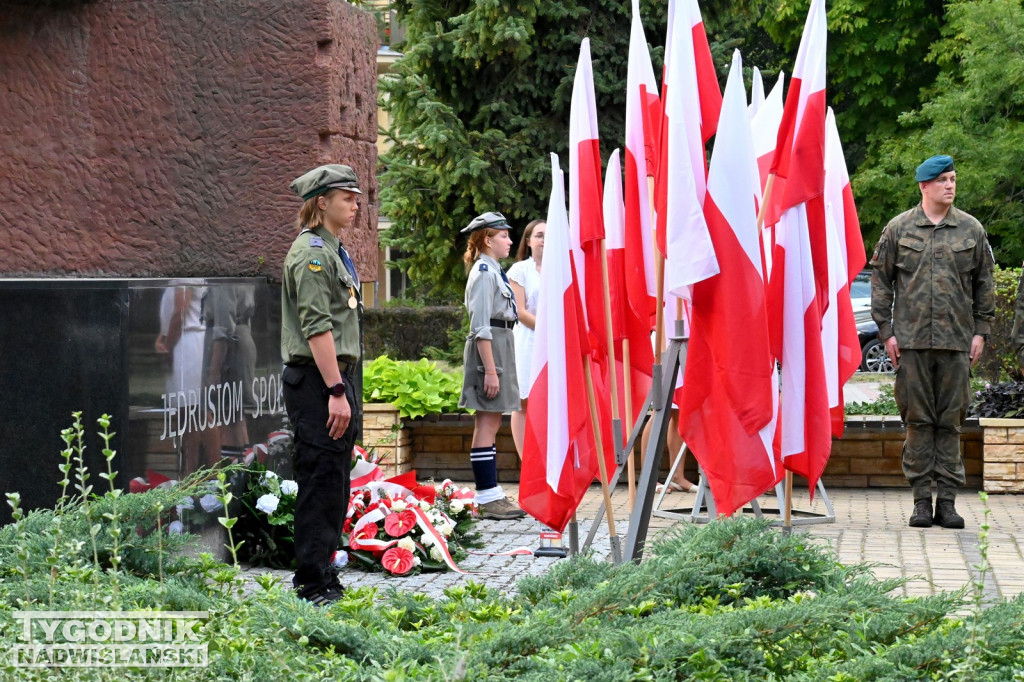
(933, 392)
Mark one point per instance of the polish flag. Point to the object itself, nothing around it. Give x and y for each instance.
(586, 223)
(643, 115)
(729, 397)
(799, 288)
(756, 92)
(692, 102)
(846, 259)
(625, 322)
(559, 455)
(765, 128)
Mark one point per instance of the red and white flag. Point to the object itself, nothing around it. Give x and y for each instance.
(798, 292)
(586, 222)
(626, 325)
(692, 102)
(846, 259)
(730, 395)
(559, 456)
(764, 126)
(643, 116)
(756, 92)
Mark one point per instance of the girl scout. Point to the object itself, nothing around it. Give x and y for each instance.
(489, 368)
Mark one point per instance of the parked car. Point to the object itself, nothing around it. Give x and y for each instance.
(872, 350)
(860, 292)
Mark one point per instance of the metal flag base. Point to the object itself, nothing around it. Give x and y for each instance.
(705, 503)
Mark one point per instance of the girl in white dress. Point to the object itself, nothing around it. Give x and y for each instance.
(524, 276)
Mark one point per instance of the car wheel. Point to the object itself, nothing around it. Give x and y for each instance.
(874, 358)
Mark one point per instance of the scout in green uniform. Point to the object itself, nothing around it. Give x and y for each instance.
(932, 296)
(319, 346)
(489, 383)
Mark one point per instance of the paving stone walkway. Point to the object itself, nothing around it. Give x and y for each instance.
(870, 527)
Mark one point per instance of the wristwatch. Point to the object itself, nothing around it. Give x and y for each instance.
(337, 389)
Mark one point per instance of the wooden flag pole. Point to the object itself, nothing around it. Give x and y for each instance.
(769, 185)
(609, 337)
(602, 469)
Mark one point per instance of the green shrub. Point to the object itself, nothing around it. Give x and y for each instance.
(407, 333)
(415, 388)
(732, 600)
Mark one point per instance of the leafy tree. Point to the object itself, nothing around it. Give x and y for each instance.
(976, 113)
(478, 101)
(876, 59)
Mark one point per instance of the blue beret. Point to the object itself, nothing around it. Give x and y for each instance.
(933, 168)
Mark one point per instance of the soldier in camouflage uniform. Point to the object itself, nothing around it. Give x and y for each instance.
(932, 296)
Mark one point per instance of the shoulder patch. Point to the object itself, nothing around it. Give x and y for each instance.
(483, 267)
(316, 241)
(315, 265)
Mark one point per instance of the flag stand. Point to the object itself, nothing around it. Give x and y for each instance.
(662, 385)
(704, 502)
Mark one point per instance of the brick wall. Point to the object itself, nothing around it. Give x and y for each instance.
(868, 456)
(157, 139)
(1004, 455)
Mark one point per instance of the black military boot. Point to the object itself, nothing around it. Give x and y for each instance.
(946, 516)
(922, 516)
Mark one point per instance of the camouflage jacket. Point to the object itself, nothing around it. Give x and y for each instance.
(932, 285)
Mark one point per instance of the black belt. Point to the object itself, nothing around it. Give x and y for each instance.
(504, 324)
(343, 365)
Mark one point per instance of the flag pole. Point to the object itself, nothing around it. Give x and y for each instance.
(609, 339)
(627, 395)
(601, 467)
(769, 185)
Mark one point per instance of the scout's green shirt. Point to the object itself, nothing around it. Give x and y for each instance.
(315, 292)
(932, 285)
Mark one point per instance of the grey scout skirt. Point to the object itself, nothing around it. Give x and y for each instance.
(473, 397)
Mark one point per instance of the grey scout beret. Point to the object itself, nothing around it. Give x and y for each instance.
(933, 168)
(491, 219)
(325, 178)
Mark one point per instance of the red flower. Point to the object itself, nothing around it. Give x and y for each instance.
(398, 524)
(346, 527)
(397, 561)
(425, 492)
(367, 532)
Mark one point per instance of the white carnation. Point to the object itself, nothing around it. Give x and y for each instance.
(398, 505)
(436, 553)
(289, 487)
(445, 529)
(457, 506)
(407, 543)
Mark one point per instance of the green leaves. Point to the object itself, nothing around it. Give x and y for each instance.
(415, 388)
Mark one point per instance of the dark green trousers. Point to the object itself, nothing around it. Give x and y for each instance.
(933, 392)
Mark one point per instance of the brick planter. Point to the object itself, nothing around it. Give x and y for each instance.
(868, 455)
(1004, 455)
(384, 433)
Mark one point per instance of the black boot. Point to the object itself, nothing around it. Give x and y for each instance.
(946, 516)
(922, 516)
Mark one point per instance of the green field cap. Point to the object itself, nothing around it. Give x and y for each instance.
(324, 179)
